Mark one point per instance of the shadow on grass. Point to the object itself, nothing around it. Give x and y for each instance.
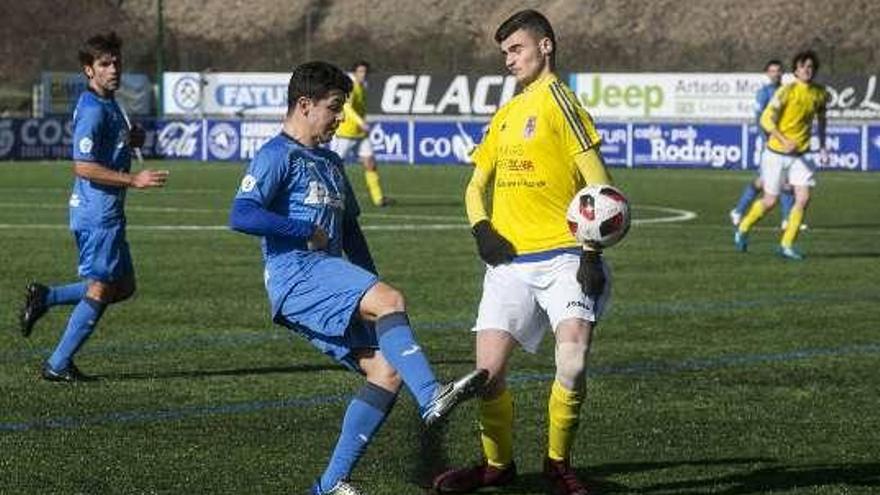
(773, 478)
(853, 254)
(770, 478)
(269, 370)
(778, 478)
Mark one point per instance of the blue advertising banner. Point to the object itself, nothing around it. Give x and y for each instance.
(180, 139)
(445, 142)
(872, 148)
(391, 141)
(719, 146)
(223, 140)
(844, 146)
(615, 143)
(687, 145)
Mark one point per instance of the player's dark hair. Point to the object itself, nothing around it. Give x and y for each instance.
(100, 44)
(529, 20)
(360, 63)
(315, 80)
(771, 63)
(801, 57)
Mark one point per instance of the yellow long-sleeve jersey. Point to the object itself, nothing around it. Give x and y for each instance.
(531, 148)
(791, 112)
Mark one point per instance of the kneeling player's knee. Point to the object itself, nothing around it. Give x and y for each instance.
(571, 364)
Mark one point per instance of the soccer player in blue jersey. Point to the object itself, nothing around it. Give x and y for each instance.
(295, 195)
(773, 70)
(102, 146)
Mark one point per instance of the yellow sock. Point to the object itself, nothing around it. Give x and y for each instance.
(564, 408)
(755, 213)
(795, 218)
(496, 429)
(372, 178)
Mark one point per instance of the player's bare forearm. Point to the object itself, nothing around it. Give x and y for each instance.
(592, 167)
(105, 176)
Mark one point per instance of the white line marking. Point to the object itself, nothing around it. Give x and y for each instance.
(677, 215)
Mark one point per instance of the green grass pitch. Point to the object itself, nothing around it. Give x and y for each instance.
(713, 371)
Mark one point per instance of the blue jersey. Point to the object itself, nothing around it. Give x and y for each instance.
(100, 136)
(299, 183)
(762, 99)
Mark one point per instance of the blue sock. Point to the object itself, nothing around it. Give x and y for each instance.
(365, 414)
(66, 294)
(398, 345)
(745, 199)
(786, 201)
(79, 327)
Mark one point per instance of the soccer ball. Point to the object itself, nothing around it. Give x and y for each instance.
(598, 215)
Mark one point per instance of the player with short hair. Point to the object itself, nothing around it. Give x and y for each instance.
(788, 121)
(295, 195)
(353, 133)
(102, 147)
(773, 71)
(540, 149)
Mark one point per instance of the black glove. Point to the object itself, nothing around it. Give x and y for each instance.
(136, 136)
(494, 249)
(590, 274)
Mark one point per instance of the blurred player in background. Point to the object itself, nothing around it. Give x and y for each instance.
(788, 121)
(773, 70)
(295, 195)
(102, 149)
(352, 136)
(540, 149)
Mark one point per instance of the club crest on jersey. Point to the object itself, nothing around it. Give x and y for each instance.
(529, 129)
(85, 145)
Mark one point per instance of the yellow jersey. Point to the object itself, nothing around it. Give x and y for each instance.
(791, 112)
(530, 148)
(355, 111)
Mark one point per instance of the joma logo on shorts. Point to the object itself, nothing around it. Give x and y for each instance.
(579, 304)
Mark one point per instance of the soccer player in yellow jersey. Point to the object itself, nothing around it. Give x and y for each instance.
(540, 149)
(353, 133)
(788, 121)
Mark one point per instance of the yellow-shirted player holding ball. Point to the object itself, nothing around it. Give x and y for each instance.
(788, 120)
(353, 133)
(540, 149)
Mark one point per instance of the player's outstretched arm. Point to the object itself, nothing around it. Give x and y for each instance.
(250, 217)
(105, 176)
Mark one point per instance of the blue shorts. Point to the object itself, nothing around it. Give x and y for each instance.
(103, 254)
(322, 306)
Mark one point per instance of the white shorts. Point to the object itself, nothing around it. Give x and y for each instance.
(342, 146)
(778, 169)
(524, 298)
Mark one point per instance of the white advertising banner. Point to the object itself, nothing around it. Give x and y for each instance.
(225, 93)
(693, 96)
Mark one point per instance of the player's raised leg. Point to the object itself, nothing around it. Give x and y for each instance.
(39, 298)
(398, 345)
